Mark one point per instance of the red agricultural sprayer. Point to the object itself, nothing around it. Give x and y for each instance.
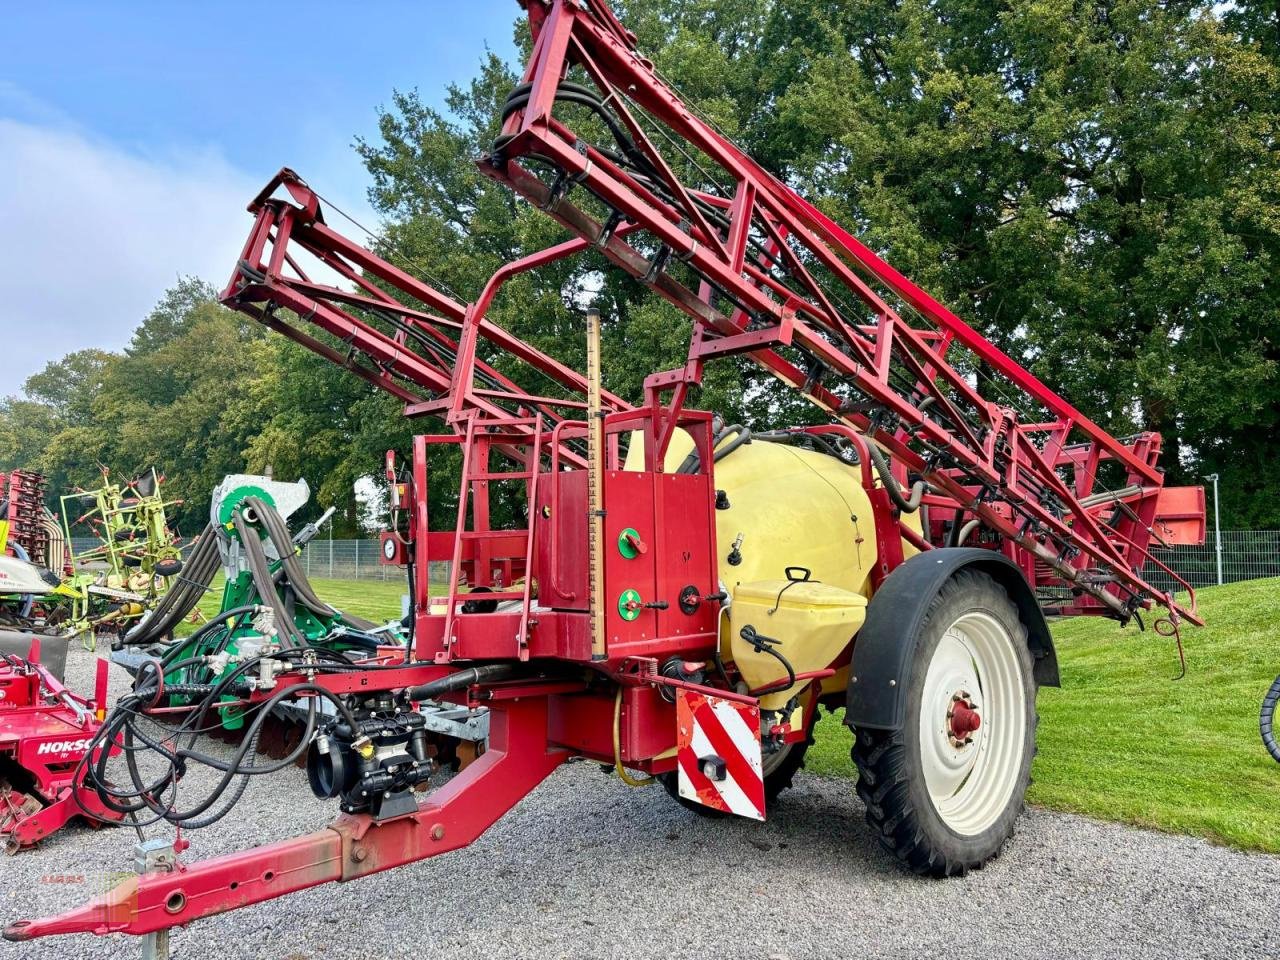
(674, 597)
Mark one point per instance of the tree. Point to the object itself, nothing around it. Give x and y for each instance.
(1092, 186)
(1095, 187)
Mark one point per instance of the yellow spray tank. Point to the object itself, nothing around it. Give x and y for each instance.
(797, 544)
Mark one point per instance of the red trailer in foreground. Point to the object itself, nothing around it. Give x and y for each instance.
(45, 731)
(647, 586)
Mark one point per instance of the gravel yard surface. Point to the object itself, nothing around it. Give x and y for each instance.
(587, 867)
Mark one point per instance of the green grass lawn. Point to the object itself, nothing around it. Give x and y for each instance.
(1121, 740)
(376, 600)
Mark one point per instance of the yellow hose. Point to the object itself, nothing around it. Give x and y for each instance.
(625, 777)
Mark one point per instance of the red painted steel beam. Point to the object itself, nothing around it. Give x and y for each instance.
(517, 760)
(444, 368)
(899, 368)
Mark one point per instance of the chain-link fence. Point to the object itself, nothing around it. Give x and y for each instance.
(1246, 555)
(325, 559)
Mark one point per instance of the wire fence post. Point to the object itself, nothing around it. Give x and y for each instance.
(1217, 531)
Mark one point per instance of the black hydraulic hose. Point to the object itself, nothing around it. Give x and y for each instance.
(280, 537)
(569, 92)
(229, 769)
(743, 436)
(409, 623)
(762, 644)
(260, 570)
(191, 584)
(790, 437)
(278, 534)
(1266, 720)
(903, 503)
(690, 463)
(460, 680)
(304, 743)
(158, 795)
(118, 730)
(146, 795)
(205, 629)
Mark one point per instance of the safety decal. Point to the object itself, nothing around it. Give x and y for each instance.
(718, 751)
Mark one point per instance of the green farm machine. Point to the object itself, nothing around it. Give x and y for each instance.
(114, 583)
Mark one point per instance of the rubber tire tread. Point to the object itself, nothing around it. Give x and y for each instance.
(1267, 718)
(892, 787)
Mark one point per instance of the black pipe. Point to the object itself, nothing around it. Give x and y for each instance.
(459, 680)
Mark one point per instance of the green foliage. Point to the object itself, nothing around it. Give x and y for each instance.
(1095, 186)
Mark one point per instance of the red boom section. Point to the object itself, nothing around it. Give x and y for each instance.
(764, 273)
(412, 352)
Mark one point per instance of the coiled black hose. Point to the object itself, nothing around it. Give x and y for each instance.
(1266, 720)
(176, 747)
(904, 503)
(278, 533)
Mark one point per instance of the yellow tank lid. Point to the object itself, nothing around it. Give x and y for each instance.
(797, 593)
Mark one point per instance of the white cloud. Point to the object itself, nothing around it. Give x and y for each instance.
(91, 235)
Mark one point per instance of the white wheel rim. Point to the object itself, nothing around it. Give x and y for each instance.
(970, 783)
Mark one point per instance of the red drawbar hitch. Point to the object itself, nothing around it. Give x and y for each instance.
(518, 759)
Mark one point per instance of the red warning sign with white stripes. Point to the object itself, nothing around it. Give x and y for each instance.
(718, 749)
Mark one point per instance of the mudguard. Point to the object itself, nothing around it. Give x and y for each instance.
(885, 646)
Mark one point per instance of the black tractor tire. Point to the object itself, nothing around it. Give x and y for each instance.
(1267, 720)
(168, 568)
(891, 774)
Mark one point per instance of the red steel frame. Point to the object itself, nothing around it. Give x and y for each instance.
(25, 492)
(939, 427)
(759, 248)
(44, 730)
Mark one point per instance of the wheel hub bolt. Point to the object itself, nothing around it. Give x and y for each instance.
(963, 719)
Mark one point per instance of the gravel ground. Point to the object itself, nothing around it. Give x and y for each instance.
(586, 867)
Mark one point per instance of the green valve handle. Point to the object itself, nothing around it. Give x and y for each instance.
(630, 605)
(630, 545)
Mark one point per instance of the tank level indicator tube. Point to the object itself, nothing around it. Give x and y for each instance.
(595, 500)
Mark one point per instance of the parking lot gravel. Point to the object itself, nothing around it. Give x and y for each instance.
(587, 867)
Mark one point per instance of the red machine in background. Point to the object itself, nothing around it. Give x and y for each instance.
(28, 530)
(45, 731)
(22, 498)
(648, 605)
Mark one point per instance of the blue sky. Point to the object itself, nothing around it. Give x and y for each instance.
(132, 136)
